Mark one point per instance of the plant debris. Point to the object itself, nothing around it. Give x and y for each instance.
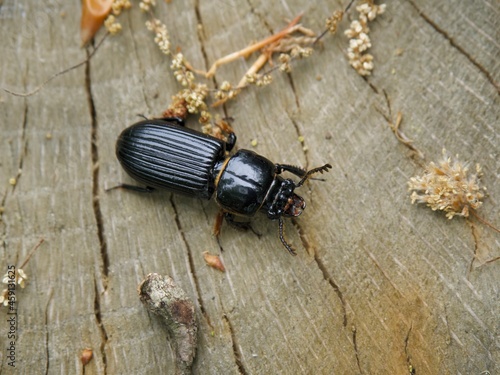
(447, 186)
(359, 41)
(214, 261)
(163, 297)
(94, 12)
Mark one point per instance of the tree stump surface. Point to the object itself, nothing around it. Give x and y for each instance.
(379, 286)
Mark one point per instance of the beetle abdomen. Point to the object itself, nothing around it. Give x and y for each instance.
(163, 155)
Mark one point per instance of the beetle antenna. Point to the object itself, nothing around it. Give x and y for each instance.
(282, 238)
(322, 169)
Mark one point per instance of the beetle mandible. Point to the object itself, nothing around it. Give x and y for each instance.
(163, 154)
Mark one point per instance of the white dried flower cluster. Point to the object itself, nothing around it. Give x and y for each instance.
(333, 21)
(20, 278)
(161, 37)
(189, 100)
(195, 98)
(285, 60)
(184, 76)
(112, 25)
(258, 79)
(119, 5)
(225, 91)
(146, 5)
(447, 187)
(359, 41)
(300, 52)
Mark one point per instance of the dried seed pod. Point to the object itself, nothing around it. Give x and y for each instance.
(164, 298)
(86, 356)
(214, 261)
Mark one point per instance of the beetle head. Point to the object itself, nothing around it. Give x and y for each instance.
(294, 206)
(286, 202)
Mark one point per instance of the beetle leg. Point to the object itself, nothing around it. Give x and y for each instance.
(298, 171)
(218, 223)
(282, 238)
(139, 189)
(322, 169)
(241, 225)
(231, 141)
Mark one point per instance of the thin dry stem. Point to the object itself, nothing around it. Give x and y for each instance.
(485, 222)
(254, 47)
(38, 88)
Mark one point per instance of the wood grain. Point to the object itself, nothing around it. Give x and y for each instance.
(378, 287)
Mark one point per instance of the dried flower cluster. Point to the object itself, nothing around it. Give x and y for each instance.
(19, 278)
(194, 94)
(146, 5)
(448, 187)
(333, 21)
(296, 52)
(258, 79)
(293, 42)
(15, 275)
(359, 41)
(161, 35)
(111, 23)
(119, 5)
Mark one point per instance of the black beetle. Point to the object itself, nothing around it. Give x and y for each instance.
(163, 154)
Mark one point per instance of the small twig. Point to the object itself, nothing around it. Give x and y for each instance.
(31, 253)
(488, 224)
(395, 126)
(38, 88)
(254, 47)
(256, 66)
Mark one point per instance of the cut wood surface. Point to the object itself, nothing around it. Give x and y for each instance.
(379, 286)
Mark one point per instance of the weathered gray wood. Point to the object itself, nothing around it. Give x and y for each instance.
(378, 286)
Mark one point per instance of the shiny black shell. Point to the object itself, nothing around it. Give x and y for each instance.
(161, 154)
(245, 182)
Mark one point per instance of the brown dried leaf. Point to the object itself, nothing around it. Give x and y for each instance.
(86, 356)
(214, 261)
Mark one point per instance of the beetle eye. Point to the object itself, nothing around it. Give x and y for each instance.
(294, 206)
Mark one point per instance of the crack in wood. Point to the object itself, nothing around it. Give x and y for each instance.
(355, 344)
(204, 51)
(24, 147)
(137, 57)
(326, 275)
(100, 325)
(411, 369)
(24, 150)
(95, 174)
(260, 17)
(292, 85)
(192, 268)
(46, 324)
(299, 136)
(236, 348)
(199, 33)
(455, 45)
